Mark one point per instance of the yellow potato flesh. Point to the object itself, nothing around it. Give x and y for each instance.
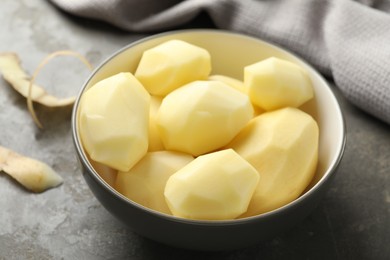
(114, 121)
(145, 182)
(171, 65)
(202, 116)
(235, 83)
(108, 174)
(215, 186)
(274, 83)
(283, 147)
(238, 85)
(155, 143)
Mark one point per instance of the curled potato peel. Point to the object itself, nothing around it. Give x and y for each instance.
(14, 74)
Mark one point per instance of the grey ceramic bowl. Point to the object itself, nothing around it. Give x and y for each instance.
(230, 52)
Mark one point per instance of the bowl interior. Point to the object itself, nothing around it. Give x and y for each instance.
(230, 53)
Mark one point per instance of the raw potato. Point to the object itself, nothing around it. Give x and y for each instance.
(215, 186)
(235, 83)
(238, 85)
(171, 65)
(114, 121)
(108, 174)
(145, 182)
(283, 147)
(20, 80)
(32, 174)
(202, 116)
(155, 143)
(275, 83)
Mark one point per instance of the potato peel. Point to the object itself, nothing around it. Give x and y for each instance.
(20, 81)
(13, 73)
(34, 175)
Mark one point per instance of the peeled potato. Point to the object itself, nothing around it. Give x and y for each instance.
(114, 121)
(107, 173)
(238, 85)
(202, 116)
(145, 182)
(282, 146)
(275, 83)
(172, 64)
(155, 143)
(214, 186)
(235, 83)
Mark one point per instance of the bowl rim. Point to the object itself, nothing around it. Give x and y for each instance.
(91, 171)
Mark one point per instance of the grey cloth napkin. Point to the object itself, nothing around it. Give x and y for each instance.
(345, 39)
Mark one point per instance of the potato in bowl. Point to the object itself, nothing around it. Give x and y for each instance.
(229, 54)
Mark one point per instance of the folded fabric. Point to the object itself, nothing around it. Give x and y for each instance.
(347, 40)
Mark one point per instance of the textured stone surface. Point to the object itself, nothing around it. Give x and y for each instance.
(352, 222)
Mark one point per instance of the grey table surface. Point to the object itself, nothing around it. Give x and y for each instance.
(351, 222)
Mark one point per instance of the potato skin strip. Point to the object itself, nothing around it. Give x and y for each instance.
(34, 175)
(14, 74)
(39, 68)
(20, 80)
